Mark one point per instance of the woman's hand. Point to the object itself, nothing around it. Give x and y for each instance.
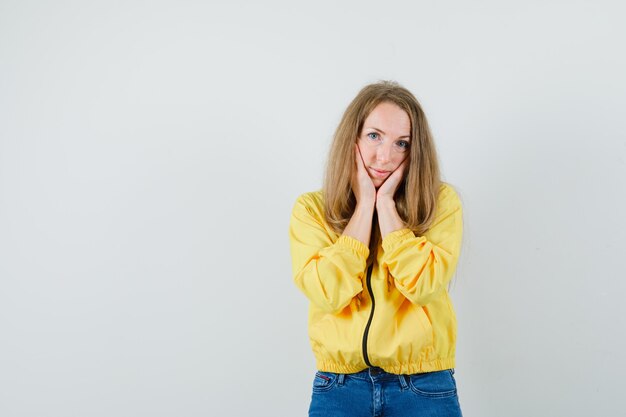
(362, 185)
(388, 188)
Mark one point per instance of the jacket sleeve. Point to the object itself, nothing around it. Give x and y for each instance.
(421, 266)
(329, 274)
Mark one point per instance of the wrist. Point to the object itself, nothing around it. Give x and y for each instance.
(365, 205)
(385, 202)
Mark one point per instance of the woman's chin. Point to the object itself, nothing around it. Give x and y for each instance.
(377, 182)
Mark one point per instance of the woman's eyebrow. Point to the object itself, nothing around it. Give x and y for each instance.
(375, 128)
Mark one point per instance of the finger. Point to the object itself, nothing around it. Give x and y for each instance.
(402, 166)
(359, 159)
(398, 171)
(396, 176)
(357, 172)
(358, 152)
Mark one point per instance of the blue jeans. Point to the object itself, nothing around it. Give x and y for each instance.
(374, 392)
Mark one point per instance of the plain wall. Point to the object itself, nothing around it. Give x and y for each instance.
(151, 153)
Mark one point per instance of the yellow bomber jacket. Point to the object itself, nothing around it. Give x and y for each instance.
(396, 313)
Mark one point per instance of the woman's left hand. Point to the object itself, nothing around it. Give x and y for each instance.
(388, 188)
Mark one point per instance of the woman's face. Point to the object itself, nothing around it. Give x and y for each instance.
(384, 141)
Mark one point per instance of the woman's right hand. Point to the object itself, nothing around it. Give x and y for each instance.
(362, 185)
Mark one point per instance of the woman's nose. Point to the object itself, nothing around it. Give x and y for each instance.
(383, 154)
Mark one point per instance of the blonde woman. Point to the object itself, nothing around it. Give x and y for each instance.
(374, 251)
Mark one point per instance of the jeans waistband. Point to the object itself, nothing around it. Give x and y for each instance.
(373, 373)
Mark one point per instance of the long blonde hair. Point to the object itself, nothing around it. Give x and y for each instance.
(417, 194)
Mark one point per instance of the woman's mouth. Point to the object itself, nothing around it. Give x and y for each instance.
(379, 173)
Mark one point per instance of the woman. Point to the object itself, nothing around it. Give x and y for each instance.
(373, 251)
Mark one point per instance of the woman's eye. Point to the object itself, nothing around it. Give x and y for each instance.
(372, 133)
(404, 144)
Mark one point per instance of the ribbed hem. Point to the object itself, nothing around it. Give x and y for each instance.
(354, 244)
(426, 366)
(399, 369)
(326, 366)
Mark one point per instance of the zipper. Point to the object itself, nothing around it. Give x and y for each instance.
(369, 321)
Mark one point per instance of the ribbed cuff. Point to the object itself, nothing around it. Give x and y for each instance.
(396, 236)
(354, 244)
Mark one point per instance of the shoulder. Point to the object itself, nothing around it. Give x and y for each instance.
(308, 212)
(311, 197)
(448, 198)
(311, 201)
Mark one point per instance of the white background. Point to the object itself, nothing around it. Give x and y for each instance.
(151, 152)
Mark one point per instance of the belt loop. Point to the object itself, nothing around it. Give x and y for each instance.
(403, 383)
(340, 379)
